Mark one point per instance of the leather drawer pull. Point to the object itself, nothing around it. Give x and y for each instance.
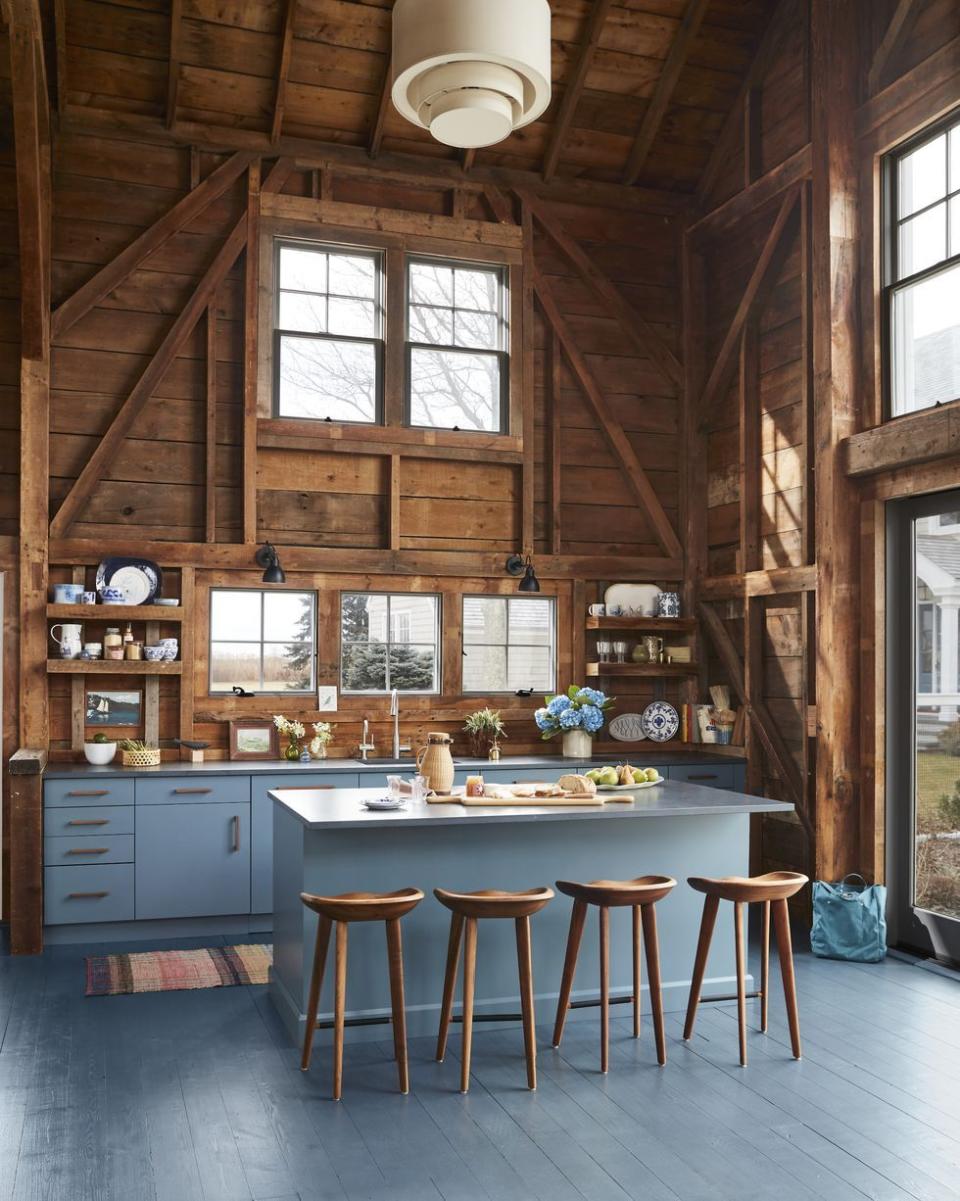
(87, 896)
(88, 850)
(191, 791)
(236, 833)
(89, 821)
(704, 776)
(91, 792)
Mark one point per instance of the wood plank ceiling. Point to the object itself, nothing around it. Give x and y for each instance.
(316, 69)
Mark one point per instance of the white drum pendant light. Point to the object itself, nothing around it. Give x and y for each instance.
(471, 71)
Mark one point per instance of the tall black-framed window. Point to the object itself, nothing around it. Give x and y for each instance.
(457, 355)
(328, 333)
(922, 270)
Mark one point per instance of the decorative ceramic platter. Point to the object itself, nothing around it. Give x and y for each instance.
(633, 600)
(629, 787)
(628, 727)
(660, 721)
(138, 579)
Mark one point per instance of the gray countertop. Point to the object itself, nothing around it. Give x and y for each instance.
(342, 808)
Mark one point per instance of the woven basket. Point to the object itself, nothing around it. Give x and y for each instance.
(147, 758)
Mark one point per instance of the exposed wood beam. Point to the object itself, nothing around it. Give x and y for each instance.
(283, 70)
(383, 107)
(890, 42)
(761, 280)
(914, 99)
(502, 209)
(750, 446)
(775, 581)
(745, 203)
(118, 269)
(528, 388)
(905, 442)
(467, 159)
(25, 768)
(644, 336)
(251, 353)
(724, 146)
(60, 52)
(394, 469)
(574, 86)
(173, 66)
(554, 387)
(663, 93)
(210, 445)
(611, 429)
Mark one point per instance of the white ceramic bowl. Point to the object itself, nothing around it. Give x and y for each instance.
(99, 753)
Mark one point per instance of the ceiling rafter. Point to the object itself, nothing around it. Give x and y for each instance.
(173, 68)
(283, 69)
(383, 107)
(890, 42)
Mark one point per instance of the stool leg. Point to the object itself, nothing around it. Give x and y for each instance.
(741, 981)
(449, 982)
(525, 963)
(637, 940)
(710, 907)
(316, 983)
(395, 956)
(604, 988)
(340, 997)
(652, 944)
(764, 964)
(781, 924)
(469, 976)
(577, 917)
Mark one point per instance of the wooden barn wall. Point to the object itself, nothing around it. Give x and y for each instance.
(107, 191)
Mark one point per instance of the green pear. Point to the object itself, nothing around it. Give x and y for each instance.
(608, 775)
(652, 775)
(639, 775)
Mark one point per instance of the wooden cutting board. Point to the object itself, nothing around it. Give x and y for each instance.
(543, 802)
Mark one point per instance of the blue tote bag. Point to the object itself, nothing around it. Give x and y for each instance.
(849, 920)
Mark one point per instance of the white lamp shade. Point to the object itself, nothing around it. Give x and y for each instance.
(471, 71)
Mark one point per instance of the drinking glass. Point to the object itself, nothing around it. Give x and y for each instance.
(603, 651)
(418, 788)
(620, 651)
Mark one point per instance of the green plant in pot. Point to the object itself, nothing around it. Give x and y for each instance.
(100, 750)
(485, 728)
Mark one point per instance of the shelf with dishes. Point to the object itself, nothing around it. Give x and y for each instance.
(117, 612)
(665, 625)
(661, 671)
(121, 667)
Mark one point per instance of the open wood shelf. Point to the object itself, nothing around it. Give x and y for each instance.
(117, 612)
(111, 667)
(676, 625)
(652, 670)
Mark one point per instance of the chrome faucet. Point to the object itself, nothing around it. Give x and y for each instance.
(395, 714)
(365, 744)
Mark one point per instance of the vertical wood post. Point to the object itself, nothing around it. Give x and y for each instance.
(693, 518)
(527, 468)
(251, 321)
(26, 851)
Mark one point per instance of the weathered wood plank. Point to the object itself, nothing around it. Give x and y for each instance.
(283, 69)
(893, 36)
(574, 86)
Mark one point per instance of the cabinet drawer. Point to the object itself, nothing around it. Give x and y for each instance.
(720, 775)
(191, 790)
(87, 792)
(94, 893)
(111, 819)
(88, 849)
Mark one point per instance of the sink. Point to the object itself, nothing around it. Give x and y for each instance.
(374, 762)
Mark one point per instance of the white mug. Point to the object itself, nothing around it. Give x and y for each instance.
(597, 610)
(70, 640)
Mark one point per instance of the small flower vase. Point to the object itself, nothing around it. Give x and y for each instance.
(318, 748)
(293, 751)
(577, 744)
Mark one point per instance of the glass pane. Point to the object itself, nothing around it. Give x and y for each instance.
(431, 325)
(235, 615)
(234, 663)
(325, 378)
(926, 342)
(485, 619)
(287, 667)
(356, 318)
(364, 667)
(955, 225)
(923, 241)
(363, 617)
(955, 158)
(530, 667)
(478, 329)
(413, 619)
(485, 669)
(531, 621)
(478, 290)
(431, 283)
(413, 668)
(923, 176)
(305, 270)
(937, 707)
(288, 616)
(353, 275)
(303, 312)
(451, 390)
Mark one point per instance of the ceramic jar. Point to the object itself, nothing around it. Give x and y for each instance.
(668, 604)
(435, 762)
(577, 744)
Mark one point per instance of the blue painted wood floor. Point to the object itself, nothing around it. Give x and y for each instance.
(198, 1097)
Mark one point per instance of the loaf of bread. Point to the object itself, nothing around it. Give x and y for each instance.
(578, 785)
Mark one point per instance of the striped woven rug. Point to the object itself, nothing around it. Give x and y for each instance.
(170, 971)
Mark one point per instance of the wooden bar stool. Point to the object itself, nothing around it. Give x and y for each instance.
(641, 895)
(771, 889)
(357, 907)
(467, 908)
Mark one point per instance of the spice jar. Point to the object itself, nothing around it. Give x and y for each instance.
(133, 650)
(474, 785)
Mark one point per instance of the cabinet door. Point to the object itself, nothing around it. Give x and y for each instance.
(192, 860)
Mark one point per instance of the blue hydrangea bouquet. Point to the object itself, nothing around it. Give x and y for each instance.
(576, 709)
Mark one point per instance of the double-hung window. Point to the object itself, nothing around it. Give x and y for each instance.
(923, 271)
(328, 333)
(457, 345)
(509, 643)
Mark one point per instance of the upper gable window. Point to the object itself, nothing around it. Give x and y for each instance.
(328, 333)
(923, 271)
(457, 339)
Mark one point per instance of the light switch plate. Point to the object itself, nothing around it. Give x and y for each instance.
(327, 698)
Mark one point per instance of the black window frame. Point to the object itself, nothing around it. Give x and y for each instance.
(892, 222)
(262, 593)
(507, 599)
(379, 343)
(437, 597)
(502, 354)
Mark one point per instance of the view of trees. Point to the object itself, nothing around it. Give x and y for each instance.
(371, 663)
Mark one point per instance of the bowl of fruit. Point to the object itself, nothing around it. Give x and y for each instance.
(624, 778)
(100, 751)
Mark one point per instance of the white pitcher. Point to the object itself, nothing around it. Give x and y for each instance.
(70, 640)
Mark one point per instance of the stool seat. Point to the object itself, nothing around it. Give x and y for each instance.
(644, 890)
(491, 902)
(364, 906)
(774, 886)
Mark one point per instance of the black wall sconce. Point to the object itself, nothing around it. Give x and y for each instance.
(517, 565)
(269, 560)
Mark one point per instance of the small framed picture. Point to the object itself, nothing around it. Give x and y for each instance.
(254, 739)
(113, 708)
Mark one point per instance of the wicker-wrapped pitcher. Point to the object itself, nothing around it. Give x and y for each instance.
(436, 763)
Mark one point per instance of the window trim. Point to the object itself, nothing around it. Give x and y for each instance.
(464, 597)
(378, 343)
(437, 634)
(263, 592)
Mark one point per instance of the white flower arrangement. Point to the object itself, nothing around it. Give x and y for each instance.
(324, 731)
(293, 729)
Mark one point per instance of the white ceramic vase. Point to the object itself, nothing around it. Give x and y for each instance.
(577, 744)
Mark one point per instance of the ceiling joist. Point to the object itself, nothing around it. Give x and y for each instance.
(283, 70)
(890, 42)
(173, 66)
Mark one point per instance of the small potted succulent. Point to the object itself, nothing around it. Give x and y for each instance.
(577, 714)
(485, 728)
(100, 750)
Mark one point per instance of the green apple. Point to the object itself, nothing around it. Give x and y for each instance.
(651, 774)
(608, 775)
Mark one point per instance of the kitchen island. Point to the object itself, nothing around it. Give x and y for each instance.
(326, 842)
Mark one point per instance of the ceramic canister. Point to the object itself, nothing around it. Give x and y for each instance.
(436, 763)
(67, 594)
(668, 604)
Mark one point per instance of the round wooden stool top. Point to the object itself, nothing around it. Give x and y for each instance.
(644, 890)
(774, 886)
(364, 906)
(491, 902)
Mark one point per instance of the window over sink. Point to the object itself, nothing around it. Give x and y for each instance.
(389, 640)
(263, 640)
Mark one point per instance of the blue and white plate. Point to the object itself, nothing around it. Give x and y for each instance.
(138, 580)
(660, 721)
